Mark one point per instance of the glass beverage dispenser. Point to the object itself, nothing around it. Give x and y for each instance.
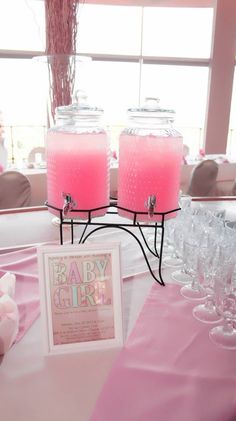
(78, 161)
(150, 156)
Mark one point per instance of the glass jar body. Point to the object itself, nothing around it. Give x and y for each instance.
(78, 157)
(150, 156)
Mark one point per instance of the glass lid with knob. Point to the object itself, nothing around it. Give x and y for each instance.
(151, 109)
(79, 109)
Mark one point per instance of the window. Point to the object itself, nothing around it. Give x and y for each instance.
(23, 83)
(183, 88)
(22, 25)
(170, 52)
(109, 29)
(177, 32)
(140, 38)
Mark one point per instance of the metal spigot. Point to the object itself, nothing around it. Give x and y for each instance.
(150, 205)
(69, 203)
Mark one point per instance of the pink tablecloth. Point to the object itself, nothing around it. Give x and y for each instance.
(23, 263)
(169, 370)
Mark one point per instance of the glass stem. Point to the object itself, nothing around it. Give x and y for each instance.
(228, 326)
(195, 284)
(210, 303)
(175, 254)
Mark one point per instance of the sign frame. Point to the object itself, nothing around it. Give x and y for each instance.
(80, 297)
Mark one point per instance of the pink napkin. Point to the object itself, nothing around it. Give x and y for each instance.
(169, 369)
(23, 264)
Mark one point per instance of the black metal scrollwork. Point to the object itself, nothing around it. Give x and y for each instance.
(112, 208)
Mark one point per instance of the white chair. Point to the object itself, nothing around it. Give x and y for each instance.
(203, 179)
(234, 189)
(15, 190)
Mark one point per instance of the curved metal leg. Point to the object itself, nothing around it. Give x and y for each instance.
(160, 281)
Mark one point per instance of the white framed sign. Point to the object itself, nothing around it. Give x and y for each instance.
(80, 297)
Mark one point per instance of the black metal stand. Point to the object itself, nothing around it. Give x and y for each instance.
(113, 208)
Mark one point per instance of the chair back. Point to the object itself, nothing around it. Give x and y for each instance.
(203, 179)
(234, 188)
(15, 190)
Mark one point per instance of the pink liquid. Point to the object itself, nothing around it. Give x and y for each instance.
(149, 165)
(78, 164)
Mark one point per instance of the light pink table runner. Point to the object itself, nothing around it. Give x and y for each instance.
(169, 370)
(23, 264)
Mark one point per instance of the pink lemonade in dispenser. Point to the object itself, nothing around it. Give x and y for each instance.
(150, 157)
(78, 165)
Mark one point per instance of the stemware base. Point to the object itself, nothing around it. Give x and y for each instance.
(226, 340)
(172, 261)
(206, 315)
(197, 293)
(181, 277)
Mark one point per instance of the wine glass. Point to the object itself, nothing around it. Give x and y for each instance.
(183, 274)
(224, 335)
(194, 289)
(207, 231)
(220, 248)
(194, 230)
(225, 292)
(168, 238)
(193, 235)
(185, 201)
(180, 223)
(207, 270)
(175, 257)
